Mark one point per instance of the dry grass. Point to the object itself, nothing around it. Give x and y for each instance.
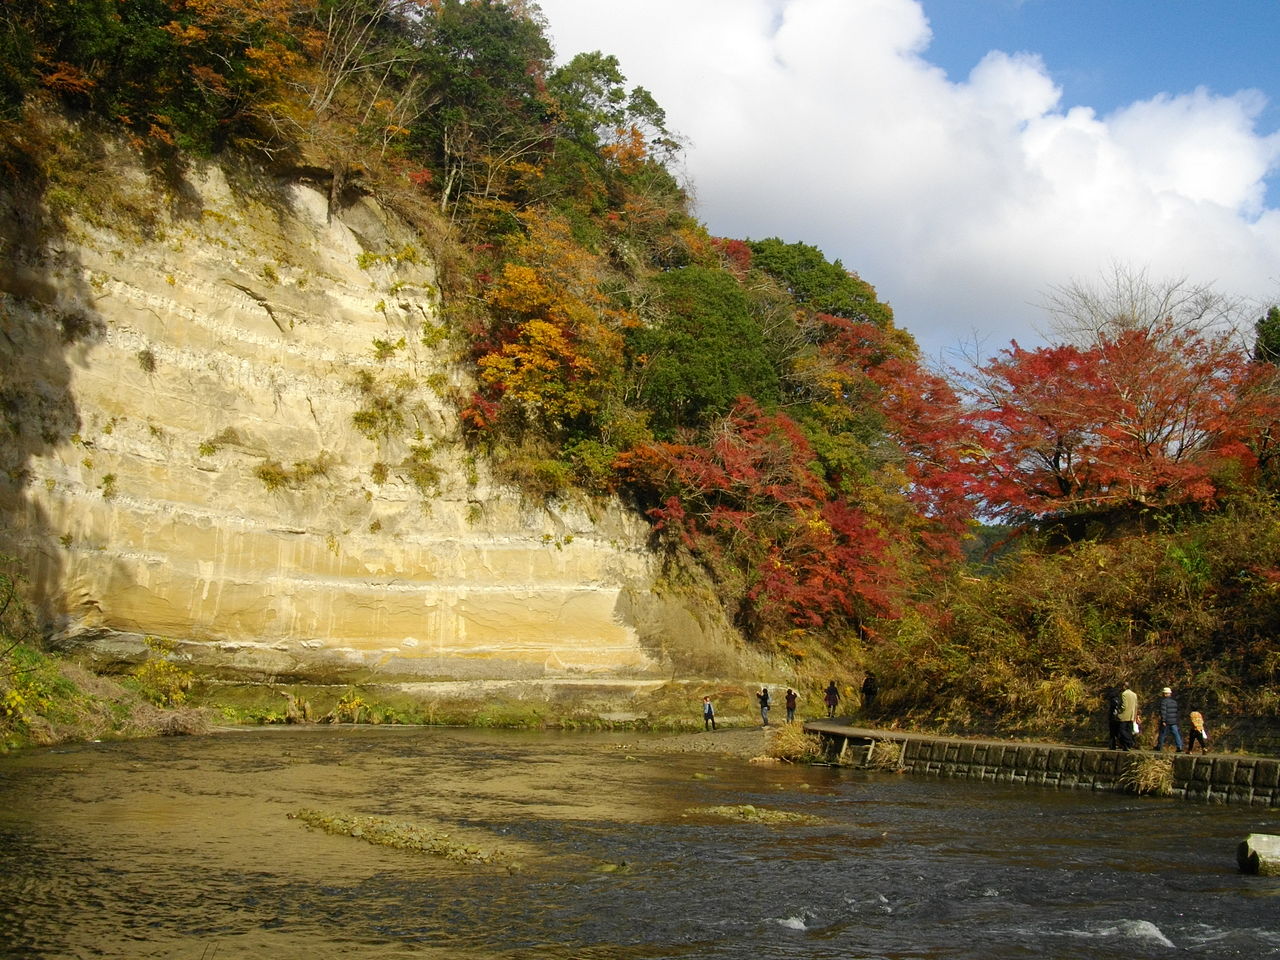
(885, 755)
(146, 719)
(790, 743)
(1149, 775)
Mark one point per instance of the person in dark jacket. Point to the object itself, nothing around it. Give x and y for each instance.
(1167, 715)
(708, 714)
(831, 698)
(1114, 706)
(790, 700)
(763, 697)
(869, 690)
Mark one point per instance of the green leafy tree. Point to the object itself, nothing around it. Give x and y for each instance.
(596, 109)
(703, 353)
(818, 284)
(1266, 345)
(485, 126)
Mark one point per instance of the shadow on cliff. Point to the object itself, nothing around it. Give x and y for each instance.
(48, 324)
(66, 184)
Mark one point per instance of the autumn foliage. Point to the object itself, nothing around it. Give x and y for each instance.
(1141, 419)
(753, 398)
(752, 501)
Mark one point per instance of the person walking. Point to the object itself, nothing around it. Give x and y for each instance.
(1128, 717)
(1199, 733)
(1167, 715)
(1114, 706)
(831, 698)
(869, 690)
(763, 697)
(708, 714)
(790, 700)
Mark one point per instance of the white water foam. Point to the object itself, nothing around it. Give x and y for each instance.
(1143, 930)
(881, 903)
(791, 923)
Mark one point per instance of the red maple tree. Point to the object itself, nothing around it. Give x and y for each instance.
(1148, 418)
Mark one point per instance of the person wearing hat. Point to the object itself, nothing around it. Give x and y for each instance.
(1167, 711)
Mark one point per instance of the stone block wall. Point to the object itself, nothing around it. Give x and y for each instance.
(1211, 778)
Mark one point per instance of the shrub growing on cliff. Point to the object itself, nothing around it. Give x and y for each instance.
(160, 680)
(275, 476)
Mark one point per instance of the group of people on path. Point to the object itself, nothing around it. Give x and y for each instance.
(1124, 722)
(830, 697)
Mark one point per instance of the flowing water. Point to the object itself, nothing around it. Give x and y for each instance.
(183, 848)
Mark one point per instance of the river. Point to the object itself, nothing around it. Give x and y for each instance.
(184, 848)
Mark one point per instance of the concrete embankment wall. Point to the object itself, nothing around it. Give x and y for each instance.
(1212, 778)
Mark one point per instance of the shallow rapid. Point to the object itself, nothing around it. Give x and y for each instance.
(184, 848)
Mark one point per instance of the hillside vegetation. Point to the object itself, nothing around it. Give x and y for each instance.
(754, 399)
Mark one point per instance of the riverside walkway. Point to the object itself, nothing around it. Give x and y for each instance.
(1210, 778)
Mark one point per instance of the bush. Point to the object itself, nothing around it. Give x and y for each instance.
(789, 742)
(160, 680)
(1149, 775)
(885, 755)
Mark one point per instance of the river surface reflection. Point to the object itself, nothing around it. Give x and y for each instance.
(182, 848)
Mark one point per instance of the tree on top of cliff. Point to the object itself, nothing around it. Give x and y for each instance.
(702, 352)
(820, 285)
(175, 72)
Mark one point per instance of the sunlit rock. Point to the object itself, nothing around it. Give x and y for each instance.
(197, 453)
(1259, 853)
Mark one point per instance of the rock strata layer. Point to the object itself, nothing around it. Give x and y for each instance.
(234, 429)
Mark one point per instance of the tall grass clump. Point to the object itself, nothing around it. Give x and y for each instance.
(790, 743)
(1149, 775)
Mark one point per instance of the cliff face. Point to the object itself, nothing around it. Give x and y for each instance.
(226, 427)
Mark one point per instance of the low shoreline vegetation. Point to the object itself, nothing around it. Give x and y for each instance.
(46, 699)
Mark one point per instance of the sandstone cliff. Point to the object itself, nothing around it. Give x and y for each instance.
(229, 425)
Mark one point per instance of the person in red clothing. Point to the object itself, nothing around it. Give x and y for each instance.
(831, 698)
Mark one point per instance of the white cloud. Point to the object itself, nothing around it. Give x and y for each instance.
(963, 202)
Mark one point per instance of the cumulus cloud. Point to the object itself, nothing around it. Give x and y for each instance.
(962, 201)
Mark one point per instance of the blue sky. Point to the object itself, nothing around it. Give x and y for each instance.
(967, 157)
(1109, 53)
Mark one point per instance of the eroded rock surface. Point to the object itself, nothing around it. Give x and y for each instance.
(229, 429)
